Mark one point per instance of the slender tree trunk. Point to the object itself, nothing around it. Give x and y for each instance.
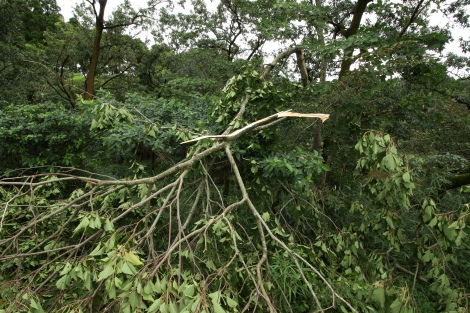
(317, 127)
(413, 17)
(302, 67)
(346, 64)
(352, 30)
(99, 27)
(321, 39)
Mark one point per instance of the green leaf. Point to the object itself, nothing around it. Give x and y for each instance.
(111, 291)
(396, 306)
(195, 305)
(62, 283)
(97, 222)
(454, 225)
(266, 216)
(189, 291)
(215, 296)
(450, 233)
(37, 307)
(427, 256)
(173, 308)
(231, 303)
(218, 308)
(134, 299)
(87, 280)
(108, 225)
(406, 177)
(289, 167)
(389, 162)
(83, 224)
(34, 305)
(147, 297)
(126, 308)
(97, 251)
(133, 259)
(66, 269)
(155, 306)
(323, 247)
(148, 288)
(387, 139)
(378, 295)
(111, 242)
(117, 282)
(157, 287)
(127, 268)
(106, 272)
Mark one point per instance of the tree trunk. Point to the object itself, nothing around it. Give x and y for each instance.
(346, 64)
(99, 27)
(351, 31)
(317, 127)
(321, 39)
(302, 67)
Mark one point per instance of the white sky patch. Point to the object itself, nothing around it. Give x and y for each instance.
(437, 19)
(269, 47)
(67, 6)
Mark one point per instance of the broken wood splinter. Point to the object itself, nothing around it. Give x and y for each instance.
(238, 132)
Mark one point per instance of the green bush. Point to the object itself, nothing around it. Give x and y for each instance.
(43, 134)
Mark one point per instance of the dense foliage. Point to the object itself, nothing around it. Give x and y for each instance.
(261, 156)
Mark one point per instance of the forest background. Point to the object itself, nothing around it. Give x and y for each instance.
(259, 156)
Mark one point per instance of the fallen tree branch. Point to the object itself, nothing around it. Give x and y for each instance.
(161, 217)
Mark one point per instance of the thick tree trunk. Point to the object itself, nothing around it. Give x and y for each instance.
(99, 27)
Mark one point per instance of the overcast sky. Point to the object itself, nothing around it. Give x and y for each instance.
(68, 5)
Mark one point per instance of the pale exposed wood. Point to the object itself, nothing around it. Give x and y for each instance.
(321, 116)
(234, 135)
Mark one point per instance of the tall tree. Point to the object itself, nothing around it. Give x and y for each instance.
(124, 16)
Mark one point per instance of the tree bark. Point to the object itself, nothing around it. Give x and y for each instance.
(351, 31)
(276, 60)
(321, 39)
(99, 27)
(412, 18)
(317, 127)
(302, 67)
